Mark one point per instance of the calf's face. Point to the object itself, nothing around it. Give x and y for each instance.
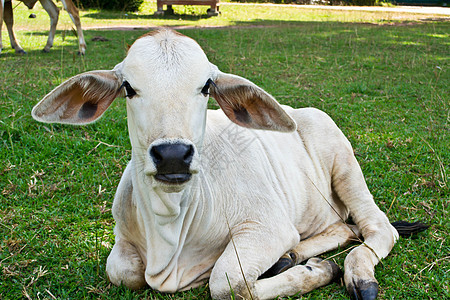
(167, 86)
(167, 80)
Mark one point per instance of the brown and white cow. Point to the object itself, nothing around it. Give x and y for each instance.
(6, 13)
(205, 195)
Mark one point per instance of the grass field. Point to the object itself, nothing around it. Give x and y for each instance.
(383, 77)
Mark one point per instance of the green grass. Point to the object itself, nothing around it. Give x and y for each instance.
(382, 77)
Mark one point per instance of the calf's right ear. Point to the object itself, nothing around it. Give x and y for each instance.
(80, 100)
(248, 105)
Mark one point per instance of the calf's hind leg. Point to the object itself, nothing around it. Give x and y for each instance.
(379, 235)
(337, 235)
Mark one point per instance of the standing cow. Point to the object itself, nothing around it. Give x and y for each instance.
(6, 13)
(203, 197)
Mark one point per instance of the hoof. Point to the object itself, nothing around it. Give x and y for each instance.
(21, 52)
(363, 290)
(284, 263)
(46, 50)
(337, 273)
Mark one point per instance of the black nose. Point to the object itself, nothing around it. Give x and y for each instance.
(172, 161)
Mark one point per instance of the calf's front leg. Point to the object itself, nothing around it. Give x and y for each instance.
(251, 252)
(299, 279)
(124, 266)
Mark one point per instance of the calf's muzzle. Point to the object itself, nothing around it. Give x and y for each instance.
(172, 161)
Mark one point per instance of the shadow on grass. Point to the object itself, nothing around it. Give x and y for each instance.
(192, 17)
(112, 34)
(167, 16)
(71, 49)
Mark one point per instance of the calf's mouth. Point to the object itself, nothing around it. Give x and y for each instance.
(173, 178)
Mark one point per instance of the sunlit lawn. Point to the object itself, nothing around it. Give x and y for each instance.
(383, 77)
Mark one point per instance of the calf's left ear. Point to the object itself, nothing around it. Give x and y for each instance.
(248, 105)
(80, 100)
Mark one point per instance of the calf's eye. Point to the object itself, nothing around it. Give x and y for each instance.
(205, 89)
(130, 92)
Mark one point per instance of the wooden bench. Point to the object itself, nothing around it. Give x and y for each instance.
(212, 11)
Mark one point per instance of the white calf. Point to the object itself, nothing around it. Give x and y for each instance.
(6, 12)
(205, 198)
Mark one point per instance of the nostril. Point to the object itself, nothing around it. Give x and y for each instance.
(189, 154)
(156, 155)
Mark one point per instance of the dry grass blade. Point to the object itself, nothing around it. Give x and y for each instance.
(342, 219)
(331, 206)
(442, 172)
(344, 251)
(390, 206)
(239, 260)
(25, 293)
(430, 266)
(51, 295)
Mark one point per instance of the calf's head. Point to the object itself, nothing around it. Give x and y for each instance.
(167, 80)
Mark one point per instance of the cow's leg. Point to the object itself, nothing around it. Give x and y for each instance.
(53, 13)
(75, 16)
(299, 279)
(335, 236)
(379, 235)
(1, 23)
(251, 252)
(124, 266)
(9, 21)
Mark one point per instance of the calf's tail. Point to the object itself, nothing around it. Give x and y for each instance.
(406, 229)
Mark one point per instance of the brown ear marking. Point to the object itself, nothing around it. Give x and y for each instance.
(80, 100)
(88, 110)
(89, 101)
(241, 114)
(249, 106)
